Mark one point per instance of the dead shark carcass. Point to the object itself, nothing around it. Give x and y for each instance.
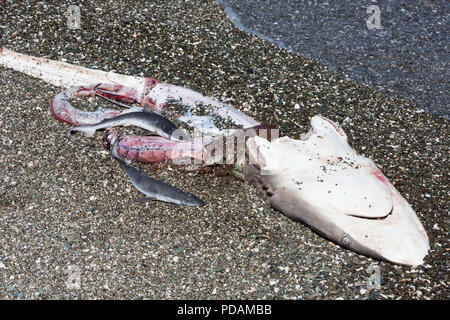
(318, 179)
(323, 182)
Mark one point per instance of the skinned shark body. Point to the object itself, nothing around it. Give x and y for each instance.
(130, 89)
(319, 179)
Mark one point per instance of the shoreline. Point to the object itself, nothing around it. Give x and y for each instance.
(403, 57)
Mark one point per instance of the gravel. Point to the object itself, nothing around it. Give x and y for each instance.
(69, 226)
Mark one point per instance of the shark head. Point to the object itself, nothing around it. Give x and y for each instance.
(322, 181)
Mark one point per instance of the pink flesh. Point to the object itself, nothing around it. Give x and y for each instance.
(380, 176)
(150, 149)
(115, 91)
(150, 83)
(62, 110)
(335, 126)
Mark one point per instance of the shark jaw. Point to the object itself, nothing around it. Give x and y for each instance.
(322, 181)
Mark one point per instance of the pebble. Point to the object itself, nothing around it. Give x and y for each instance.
(179, 249)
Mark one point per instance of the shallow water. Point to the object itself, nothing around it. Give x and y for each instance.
(406, 53)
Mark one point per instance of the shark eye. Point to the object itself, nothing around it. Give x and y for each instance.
(180, 135)
(346, 240)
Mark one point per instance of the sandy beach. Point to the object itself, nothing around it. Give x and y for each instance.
(67, 209)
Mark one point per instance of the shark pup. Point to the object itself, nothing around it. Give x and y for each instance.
(152, 188)
(150, 121)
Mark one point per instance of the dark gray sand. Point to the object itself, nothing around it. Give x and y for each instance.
(406, 54)
(66, 206)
